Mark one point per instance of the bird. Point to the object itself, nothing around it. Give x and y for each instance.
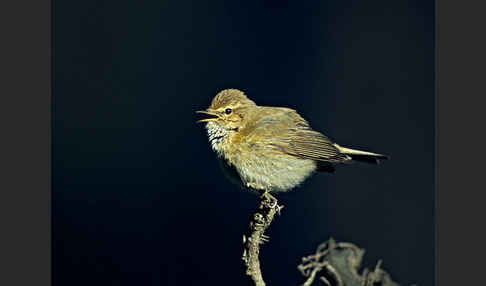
(269, 149)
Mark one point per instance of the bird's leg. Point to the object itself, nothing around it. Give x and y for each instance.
(266, 195)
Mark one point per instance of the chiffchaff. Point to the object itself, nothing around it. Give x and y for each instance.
(270, 149)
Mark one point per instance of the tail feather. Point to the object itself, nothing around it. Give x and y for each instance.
(363, 156)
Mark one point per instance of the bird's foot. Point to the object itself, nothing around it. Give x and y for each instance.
(271, 201)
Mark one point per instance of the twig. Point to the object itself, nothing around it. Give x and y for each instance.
(313, 264)
(255, 236)
(337, 264)
(313, 274)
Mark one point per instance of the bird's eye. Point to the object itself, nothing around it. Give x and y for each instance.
(228, 111)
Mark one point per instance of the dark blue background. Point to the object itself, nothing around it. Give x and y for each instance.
(138, 197)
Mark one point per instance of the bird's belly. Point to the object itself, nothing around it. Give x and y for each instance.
(275, 173)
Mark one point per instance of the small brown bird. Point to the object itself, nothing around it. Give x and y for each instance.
(270, 149)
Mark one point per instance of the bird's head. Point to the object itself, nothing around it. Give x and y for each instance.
(227, 114)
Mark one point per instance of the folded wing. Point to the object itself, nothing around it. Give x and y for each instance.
(285, 131)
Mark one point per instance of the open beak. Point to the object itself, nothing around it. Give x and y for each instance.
(215, 116)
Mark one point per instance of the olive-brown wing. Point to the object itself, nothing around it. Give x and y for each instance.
(310, 144)
(285, 131)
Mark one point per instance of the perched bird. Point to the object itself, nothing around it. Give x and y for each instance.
(270, 149)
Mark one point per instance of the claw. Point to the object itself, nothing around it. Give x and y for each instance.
(279, 208)
(273, 202)
(274, 205)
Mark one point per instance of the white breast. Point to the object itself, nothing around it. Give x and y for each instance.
(263, 171)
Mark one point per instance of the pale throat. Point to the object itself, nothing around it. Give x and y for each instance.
(217, 136)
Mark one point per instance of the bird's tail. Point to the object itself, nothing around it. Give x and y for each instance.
(362, 156)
